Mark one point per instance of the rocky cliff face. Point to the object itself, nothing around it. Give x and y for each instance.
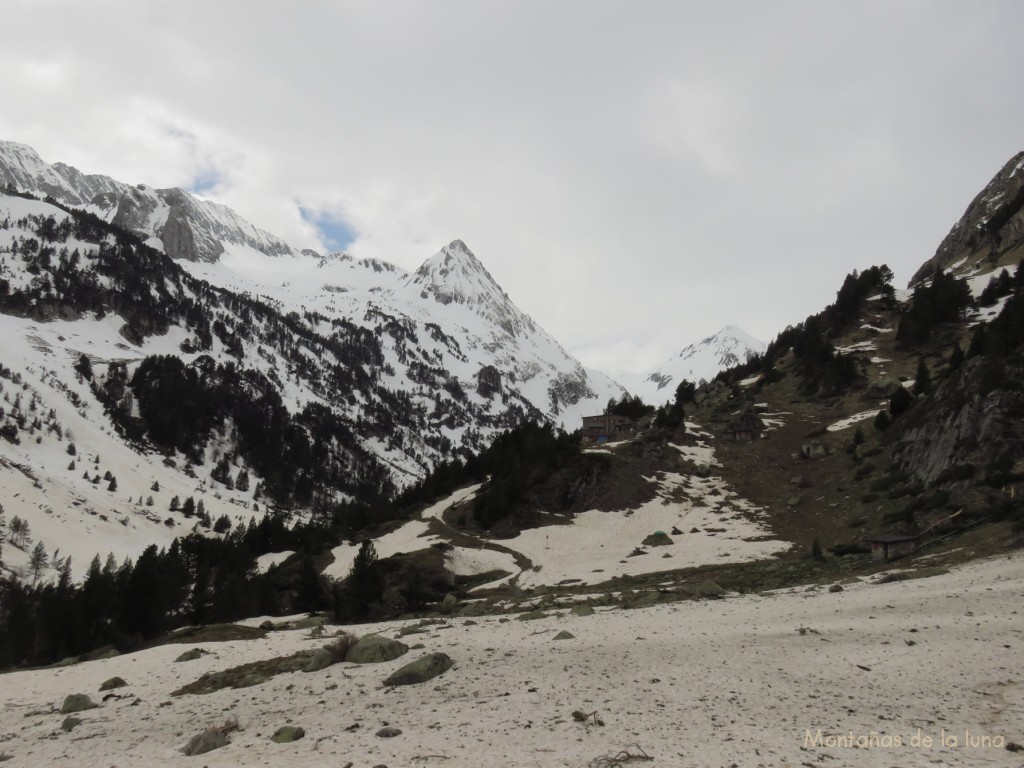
(991, 230)
(173, 220)
(970, 420)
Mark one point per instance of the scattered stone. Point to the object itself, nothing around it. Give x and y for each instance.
(475, 608)
(287, 733)
(70, 722)
(836, 588)
(793, 501)
(192, 655)
(565, 635)
(421, 670)
(531, 616)
(676, 531)
(389, 732)
(76, 702)
(695, 530)
(374, 649)
(112, 683)
(207, 741)
(309, 622)
(708, 589)
(702, 470)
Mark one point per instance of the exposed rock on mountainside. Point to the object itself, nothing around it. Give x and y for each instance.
(178, 223)
(991, 231)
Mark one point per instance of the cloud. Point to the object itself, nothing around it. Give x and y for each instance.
(635, 177)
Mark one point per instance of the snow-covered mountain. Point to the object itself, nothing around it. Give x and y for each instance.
(171, 220)
(700, 361)
(380, 373)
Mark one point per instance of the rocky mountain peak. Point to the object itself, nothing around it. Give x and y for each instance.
(454, 275)
(991, 229)
(173, 220)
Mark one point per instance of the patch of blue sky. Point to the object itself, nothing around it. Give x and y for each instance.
(205, 182)
(335, 233)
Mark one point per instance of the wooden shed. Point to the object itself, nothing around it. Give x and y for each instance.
(886, 548)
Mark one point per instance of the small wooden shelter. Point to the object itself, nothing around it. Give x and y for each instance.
(887, 548)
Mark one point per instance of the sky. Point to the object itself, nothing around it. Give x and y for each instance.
(635, 175)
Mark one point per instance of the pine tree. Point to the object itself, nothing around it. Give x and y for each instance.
(956, 357)
(175, 504)
(37, 561)
(922, 379)
(113, 484)
(364, 584)
(189, 508)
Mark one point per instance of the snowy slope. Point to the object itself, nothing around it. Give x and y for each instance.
(700, 361)
(448, 320)
(448, 325)
(416, 381)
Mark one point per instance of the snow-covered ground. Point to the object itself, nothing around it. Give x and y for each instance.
(914, 673)
(712, 524)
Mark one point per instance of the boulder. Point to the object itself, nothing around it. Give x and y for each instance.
(207, 741)
(657, 539)
(76, 702)
(582, 610)
(287, 733)
(112, 683)
(449, 604)
(389, 732)
(565, 635)
(319, 659)
(191, 655)
(267, 626)
(374, 649)
(70, 722)
(885, 387)
(421, 670)
(531, 615)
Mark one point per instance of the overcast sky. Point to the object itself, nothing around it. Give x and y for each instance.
(636, 175)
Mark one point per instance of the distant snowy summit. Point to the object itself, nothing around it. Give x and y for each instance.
(700, 361)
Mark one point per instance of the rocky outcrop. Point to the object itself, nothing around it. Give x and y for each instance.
(421, 670)
(76, 702)
(992, 226)
(374, 649)
(287, 734)
(965, 422)
(207, 741)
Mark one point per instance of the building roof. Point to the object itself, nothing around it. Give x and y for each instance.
(889, 539)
